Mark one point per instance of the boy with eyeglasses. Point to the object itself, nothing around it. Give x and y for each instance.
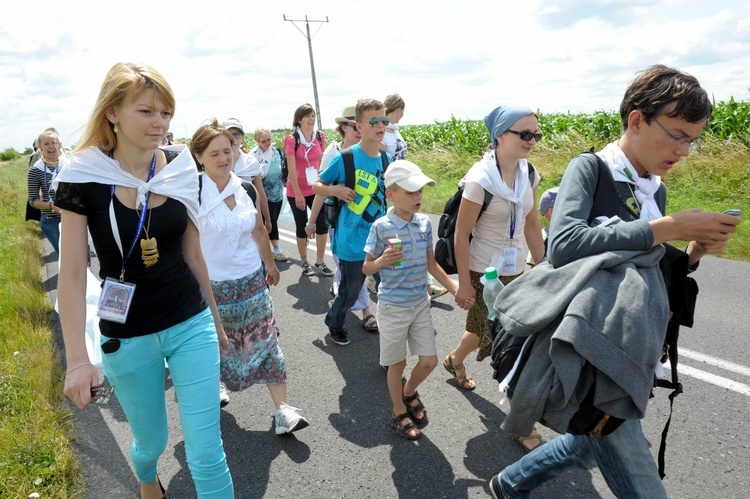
(663, 113)
(363, 205)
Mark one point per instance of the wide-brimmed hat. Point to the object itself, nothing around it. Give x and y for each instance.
(406, 175)
(233, 123)
(347, 116)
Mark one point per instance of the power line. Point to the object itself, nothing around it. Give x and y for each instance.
(312, 64)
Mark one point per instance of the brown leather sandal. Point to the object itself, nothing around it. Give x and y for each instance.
(463, 381)
(414, 409)
(403, 429)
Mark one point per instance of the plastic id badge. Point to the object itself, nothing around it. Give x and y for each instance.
(311, 175)
(114, 302)
(510, 258)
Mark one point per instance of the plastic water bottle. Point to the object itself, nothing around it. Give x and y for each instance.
(492, 287)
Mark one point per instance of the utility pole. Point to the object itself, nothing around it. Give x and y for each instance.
(312, 64)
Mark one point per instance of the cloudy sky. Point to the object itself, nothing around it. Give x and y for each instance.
(461, 58)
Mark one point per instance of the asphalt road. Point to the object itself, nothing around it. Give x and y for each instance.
(349, 450)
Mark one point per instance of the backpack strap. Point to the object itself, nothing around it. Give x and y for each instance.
(348, 156)
(250, 189)
(384, 159)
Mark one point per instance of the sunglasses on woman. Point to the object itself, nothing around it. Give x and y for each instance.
(527, 135)
(374, 120)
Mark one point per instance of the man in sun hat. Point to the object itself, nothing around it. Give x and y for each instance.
(663, 114)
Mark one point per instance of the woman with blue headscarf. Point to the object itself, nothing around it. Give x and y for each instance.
(505, 231)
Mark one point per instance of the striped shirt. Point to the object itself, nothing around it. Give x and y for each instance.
(38, 180)
(407, 286)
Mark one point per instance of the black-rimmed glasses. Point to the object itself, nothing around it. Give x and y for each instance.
(527, 135)
(679, 140)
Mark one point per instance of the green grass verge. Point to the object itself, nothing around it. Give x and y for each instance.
(35, 425)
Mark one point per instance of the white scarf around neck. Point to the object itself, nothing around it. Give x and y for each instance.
(644, 189)
(211, 197)
(264, 158)
(177, 180)
(487, 174)
(247, 166)
(303, 140)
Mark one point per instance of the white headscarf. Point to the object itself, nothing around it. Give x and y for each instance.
(623, 171)
(487, 174)
(178, 180)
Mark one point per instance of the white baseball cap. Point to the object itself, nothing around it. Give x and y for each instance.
(406, 175)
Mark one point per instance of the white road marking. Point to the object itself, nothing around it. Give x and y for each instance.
(291, 237)
(714, 379)
(713, 361)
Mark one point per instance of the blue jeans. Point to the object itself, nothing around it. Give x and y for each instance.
(51, 229)
(136, 370)
(623, 458)
(352, 279)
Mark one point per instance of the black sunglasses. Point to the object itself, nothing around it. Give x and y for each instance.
(527, 135)
(374, 120)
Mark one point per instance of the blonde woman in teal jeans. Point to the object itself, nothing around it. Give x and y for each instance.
(140, 204)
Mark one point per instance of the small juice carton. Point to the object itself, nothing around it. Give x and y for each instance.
(396, 244)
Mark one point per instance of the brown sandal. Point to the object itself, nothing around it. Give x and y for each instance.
(462, 380)
(413, 410)
(530, 442)
(403, 429)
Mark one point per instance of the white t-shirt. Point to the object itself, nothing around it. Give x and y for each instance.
(492, 231)
(394, 143)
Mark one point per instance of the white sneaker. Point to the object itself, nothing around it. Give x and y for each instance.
(279, 255)
(223, 394)
(288, 420)
(435, 290)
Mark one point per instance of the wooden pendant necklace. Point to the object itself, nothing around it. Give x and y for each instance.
(149, 251)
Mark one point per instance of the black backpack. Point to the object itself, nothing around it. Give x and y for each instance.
(445, 249)
(331, 204)
(284, 167)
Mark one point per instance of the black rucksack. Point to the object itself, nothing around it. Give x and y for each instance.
(445, 249)
(331, 204)
(284, 167)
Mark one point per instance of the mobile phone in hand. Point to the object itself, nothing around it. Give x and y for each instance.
(733, 212)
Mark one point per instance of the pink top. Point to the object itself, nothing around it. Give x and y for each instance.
(305, 156)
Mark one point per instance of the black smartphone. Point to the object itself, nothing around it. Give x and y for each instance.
(111, 345)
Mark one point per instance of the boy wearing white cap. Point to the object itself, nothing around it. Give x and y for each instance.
(399, 247)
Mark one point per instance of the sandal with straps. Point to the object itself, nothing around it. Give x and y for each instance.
(463, 381)
(414, 410)
(370, 327)
(403, 429)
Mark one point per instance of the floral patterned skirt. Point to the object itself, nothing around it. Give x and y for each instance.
(476, 319)
(246, 312)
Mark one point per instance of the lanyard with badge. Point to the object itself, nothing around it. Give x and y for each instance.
(509, 254)
(311, 173)
(117, 295)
